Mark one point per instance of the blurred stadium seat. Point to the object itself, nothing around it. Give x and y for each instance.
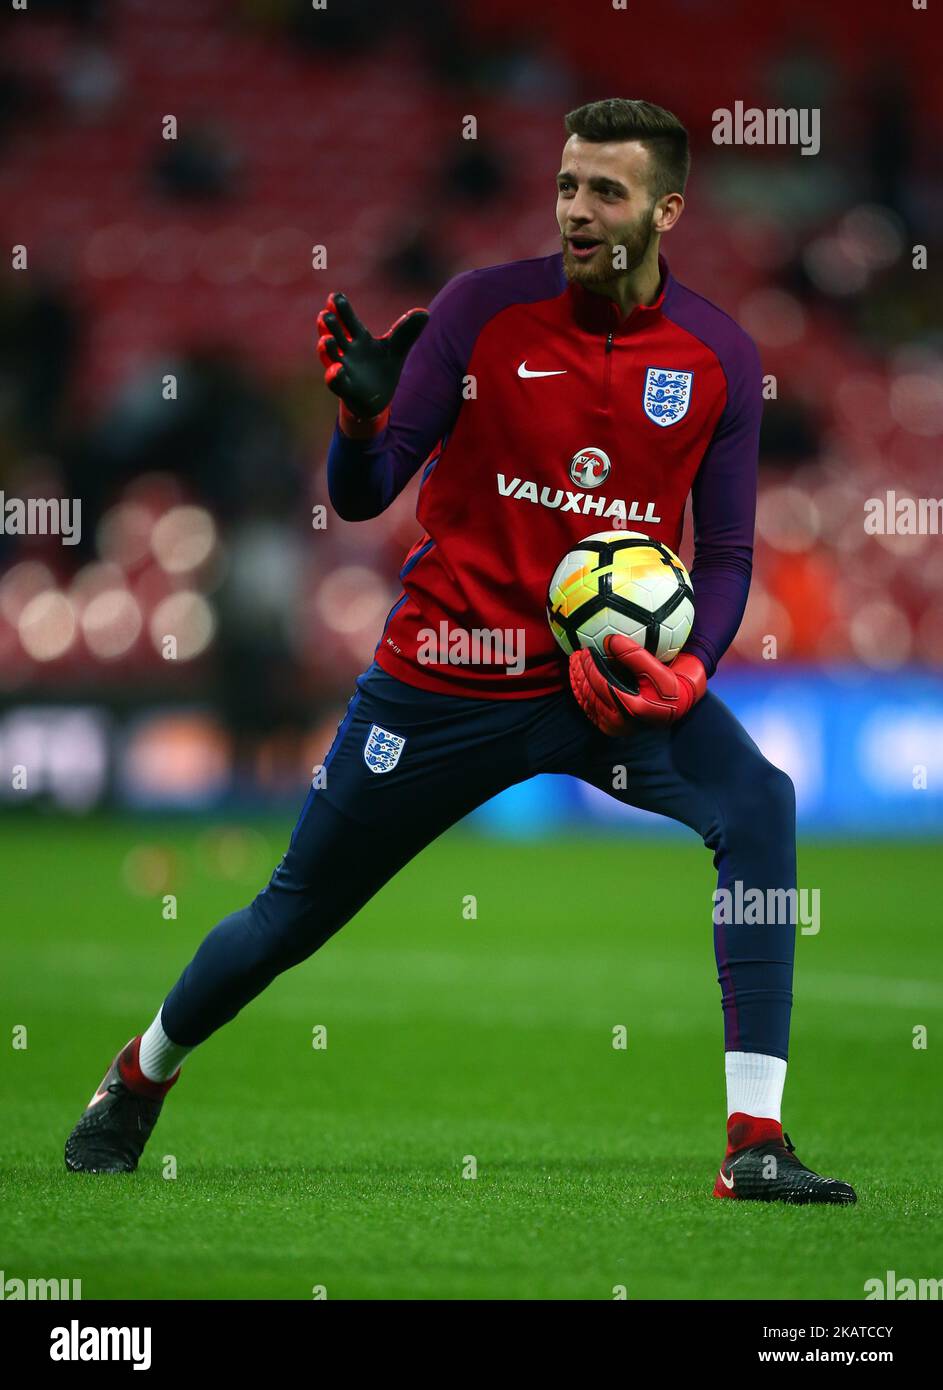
(139, 267)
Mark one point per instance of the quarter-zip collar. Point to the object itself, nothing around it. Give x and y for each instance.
(597, 313)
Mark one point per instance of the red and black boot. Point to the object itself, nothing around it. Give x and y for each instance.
(118, 1120)
(760, 1165)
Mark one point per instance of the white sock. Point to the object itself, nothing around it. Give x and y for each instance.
(755, 1084)
(160, 1057)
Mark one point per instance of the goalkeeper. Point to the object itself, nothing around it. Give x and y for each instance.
(542, 399)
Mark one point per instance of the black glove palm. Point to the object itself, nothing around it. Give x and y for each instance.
(361, 369)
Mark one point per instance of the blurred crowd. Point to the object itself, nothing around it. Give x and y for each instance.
(157, 350)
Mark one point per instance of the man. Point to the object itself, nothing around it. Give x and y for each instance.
(548, 399)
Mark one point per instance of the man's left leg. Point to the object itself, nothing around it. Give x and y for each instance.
(708, 773)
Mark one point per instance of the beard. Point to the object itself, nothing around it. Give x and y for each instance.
(636, 239)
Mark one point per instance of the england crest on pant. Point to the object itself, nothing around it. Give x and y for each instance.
(667, 395)
(382, 750)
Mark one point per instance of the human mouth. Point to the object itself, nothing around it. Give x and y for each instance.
(583, 248)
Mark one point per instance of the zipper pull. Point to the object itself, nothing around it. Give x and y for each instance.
(609, 343)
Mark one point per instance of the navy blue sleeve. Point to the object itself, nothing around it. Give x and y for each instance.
(364, 476)
(724, 502)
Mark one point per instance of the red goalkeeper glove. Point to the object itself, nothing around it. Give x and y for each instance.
(633, 684)
(361, 369)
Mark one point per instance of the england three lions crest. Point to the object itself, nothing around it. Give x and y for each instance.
(382, 749)
(667, 395)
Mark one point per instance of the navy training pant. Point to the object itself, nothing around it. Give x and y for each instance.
(359, 829)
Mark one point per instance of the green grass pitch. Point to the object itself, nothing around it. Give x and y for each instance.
(342, 1167)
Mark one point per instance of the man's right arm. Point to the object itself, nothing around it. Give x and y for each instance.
(372, 459)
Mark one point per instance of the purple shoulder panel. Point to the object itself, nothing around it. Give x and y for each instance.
(459, 312)
(731, 345)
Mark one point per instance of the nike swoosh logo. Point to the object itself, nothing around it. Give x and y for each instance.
(99, 1095)
(523, 371)
(727, 1182)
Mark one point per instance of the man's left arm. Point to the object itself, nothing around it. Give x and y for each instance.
(636, 685)
(724, 505)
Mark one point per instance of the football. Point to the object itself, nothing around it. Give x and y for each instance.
(621, 582)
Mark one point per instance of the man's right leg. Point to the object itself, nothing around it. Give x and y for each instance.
(331, 869)
(353, 835)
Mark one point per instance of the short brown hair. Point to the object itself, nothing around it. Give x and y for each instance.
(619, 118)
